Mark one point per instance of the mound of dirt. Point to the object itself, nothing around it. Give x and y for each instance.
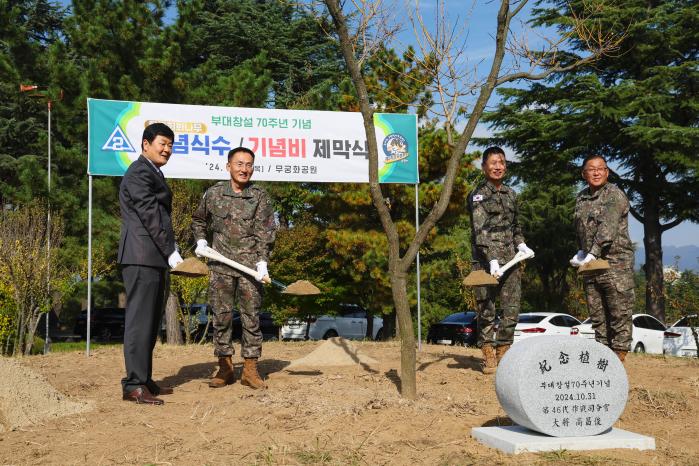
(333, 352)
(27, 398)
(301, 288)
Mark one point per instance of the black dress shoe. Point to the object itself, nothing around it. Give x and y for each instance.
(142, 395)
(157, 390)
(165, 391)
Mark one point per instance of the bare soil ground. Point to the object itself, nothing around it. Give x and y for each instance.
(328, 415)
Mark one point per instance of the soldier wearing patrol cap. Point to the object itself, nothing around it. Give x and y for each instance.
(496, 236)
(602, 229)
(240, 218)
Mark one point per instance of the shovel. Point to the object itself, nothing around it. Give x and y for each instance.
(300, 287)
(594, 266)
(481, 277)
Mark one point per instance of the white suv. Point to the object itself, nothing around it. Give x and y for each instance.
(350, 323)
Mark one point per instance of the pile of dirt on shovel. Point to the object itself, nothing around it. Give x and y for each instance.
(301, 288)
(333, 352)
(28, 399)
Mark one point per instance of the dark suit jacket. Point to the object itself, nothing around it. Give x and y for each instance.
(145, 199)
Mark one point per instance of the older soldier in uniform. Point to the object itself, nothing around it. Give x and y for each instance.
(496, 236)
(602, 228)
(240, 217)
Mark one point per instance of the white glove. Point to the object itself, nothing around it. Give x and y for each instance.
(494, 268)
(588, 258)
(261, 271)
(174, 259)
(201, 244)
(577, 259)
(523, 248)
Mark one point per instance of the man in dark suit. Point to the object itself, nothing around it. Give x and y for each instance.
(146, 249)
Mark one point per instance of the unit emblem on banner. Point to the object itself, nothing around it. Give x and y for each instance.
(395, 147)
(118, 142)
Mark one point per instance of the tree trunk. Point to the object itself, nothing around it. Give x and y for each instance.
(652, 241)
(31, 330)
(17, 346)
(369, 335)
(172, 323)
(21, 346)
(545, 278)
(408, 385)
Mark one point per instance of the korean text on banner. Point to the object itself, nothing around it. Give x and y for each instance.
(290, 145)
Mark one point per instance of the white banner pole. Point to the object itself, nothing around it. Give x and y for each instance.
(47, 341)
(417, 272)
(89, 262)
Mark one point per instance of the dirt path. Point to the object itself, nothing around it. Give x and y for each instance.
(325, 415)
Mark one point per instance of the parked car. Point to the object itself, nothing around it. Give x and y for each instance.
(679, 339)
(200, 318)
(350, 323)
(270, 330)
(58, 330)
(106, 324)
(531, 324)
(197, 318)
(647, 333)
(460, 328)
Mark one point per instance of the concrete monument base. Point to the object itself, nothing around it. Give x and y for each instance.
(518, 439)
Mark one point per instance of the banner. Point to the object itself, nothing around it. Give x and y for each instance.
(289, 145)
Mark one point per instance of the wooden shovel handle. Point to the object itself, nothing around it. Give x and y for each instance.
(217, 256)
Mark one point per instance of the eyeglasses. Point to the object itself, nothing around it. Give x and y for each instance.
(240, 165)
(595, 170)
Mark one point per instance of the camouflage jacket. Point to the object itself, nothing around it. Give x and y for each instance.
(602, 225)
(495, 229)
(238, 225)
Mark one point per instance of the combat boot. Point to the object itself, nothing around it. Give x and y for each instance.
(251, 377)
(225, 375)
(490, 363)
(621, 355)
(500, 351)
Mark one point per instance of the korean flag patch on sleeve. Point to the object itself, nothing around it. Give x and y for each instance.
(477, 197)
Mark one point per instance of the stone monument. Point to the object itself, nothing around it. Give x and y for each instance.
(563, 387)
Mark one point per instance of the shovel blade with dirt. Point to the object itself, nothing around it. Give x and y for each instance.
(191, 267)
(593, 266)
(298, 288)
(483, 278)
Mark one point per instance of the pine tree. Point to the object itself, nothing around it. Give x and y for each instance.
(29, 28)
(638, 108)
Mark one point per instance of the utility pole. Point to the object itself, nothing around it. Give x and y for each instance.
(42, 92)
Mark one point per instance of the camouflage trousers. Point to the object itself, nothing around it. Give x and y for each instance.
(225, 292)
(509, 290)
(610, 300)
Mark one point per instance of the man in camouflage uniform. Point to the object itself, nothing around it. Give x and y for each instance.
(240, 217)
(602, 228)
(496, 236)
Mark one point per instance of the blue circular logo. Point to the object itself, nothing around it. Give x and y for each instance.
(395, 147)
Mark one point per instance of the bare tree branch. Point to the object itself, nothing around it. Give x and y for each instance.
(636, 214)
(671, 224)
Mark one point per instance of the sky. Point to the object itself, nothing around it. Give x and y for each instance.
(474, 24)
(480, 19)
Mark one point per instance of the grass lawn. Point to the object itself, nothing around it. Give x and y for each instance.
(64, 347)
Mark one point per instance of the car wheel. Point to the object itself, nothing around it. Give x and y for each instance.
(329, 334)
(639, 348)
